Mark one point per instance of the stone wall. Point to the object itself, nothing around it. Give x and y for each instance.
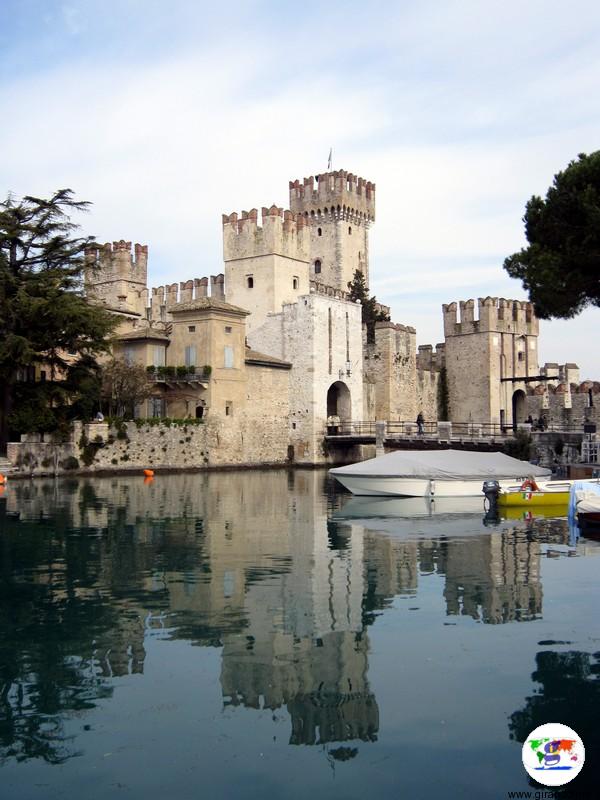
(559, 409)
(427, 394)
(318, 335)
(250, 438)
(390, 372)
(481, 352)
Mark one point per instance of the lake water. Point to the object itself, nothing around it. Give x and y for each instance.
(252, 634)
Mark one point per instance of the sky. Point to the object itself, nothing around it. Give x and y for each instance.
(166, 115)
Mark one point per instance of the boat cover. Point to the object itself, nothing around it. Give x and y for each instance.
(581, 490)
(446, 465)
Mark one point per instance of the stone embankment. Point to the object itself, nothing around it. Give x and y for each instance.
(149, 444)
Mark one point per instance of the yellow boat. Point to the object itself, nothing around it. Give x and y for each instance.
(535, 512)
(551, 493)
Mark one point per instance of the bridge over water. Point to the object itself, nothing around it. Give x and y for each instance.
(462, 435)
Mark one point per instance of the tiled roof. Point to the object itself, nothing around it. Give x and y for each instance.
(142, 333)
(254, 357)
(207, 304)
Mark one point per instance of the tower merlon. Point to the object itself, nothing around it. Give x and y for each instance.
(339, 192)
(282, 233)
(105, 262)
(496, 315)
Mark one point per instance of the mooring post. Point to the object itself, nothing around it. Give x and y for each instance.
(379, 438)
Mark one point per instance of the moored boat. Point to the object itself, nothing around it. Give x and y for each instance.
(535, 494)
(434, 473)
(584, 504)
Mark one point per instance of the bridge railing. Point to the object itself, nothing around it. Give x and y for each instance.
(399, 429)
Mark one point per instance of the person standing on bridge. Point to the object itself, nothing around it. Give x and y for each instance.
(420, 423)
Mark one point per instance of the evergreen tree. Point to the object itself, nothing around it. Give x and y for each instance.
(561, 267)
(45, 321)
(370, 313)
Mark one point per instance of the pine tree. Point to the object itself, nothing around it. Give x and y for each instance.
(370, 313)
(561, 266)
(45, 321)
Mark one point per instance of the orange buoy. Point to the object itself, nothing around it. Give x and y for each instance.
(2, 479)
(149, 473)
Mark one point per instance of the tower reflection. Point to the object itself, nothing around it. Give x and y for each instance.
(248, 562)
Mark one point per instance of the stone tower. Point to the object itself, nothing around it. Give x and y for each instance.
(340, 208)
(117, 280)
(488, 358)
(265, 266)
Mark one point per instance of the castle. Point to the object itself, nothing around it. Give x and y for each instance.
(273, 348)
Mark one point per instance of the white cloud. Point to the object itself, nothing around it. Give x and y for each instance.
(458, 111)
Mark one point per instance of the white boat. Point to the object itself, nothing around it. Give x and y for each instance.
(584, 504)
(435, 473)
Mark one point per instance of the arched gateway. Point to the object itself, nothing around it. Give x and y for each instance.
(338, 401)
(518, 408)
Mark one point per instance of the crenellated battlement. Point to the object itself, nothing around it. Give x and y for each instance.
(323, 288)
(115, 277)
(340, 294)
(282, 233)
(339, 194)
(163, 298)
(431, 359)
(494, 315)
(116, 260)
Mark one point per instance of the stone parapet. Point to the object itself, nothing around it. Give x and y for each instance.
(282, 233)
(338, 193)
(164, 298)
(496, 315)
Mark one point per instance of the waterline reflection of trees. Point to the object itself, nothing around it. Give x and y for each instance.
(235, 561)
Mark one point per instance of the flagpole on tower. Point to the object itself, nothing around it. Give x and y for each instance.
(330, 159)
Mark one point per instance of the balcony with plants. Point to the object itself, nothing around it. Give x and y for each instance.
(180, 374)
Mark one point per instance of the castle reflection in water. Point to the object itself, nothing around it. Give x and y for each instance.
(250, 562)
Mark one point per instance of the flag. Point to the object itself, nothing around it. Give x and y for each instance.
(329, 159)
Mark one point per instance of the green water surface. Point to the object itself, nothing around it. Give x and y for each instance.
(260, 634)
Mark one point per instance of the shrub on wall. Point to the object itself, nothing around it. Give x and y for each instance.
(443, 397)
(520, 446)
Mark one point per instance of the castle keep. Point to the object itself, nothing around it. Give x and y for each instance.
(272, 351)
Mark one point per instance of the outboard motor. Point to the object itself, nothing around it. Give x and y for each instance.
(491, 490)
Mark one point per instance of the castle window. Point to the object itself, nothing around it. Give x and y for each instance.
(295, 282)
(227, 328)
(521, 356)
(159, 356)
(190, 355)
(43, 375)
(319, 232)
(349, 230)
(250, 282)
(228, 408)
(156, 407)
(191, 328)
(228, 357)
(317, 266)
